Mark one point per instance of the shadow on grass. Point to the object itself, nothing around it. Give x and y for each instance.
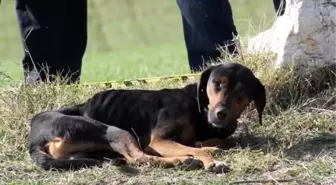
(310, 146)
(313, 146)
(129, 171)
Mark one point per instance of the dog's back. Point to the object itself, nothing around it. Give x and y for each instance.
(135, 111)
(114, 107)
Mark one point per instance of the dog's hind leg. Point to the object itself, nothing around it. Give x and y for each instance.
(125, 144)
(71, 142)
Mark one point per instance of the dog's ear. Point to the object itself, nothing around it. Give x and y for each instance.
(259, 99)
(202, 97)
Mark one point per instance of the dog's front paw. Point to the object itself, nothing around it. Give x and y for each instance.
(191, 164)
(218, 167)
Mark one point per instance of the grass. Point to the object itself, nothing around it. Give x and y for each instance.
(297, 139)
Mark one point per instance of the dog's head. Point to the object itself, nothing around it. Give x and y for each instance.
(225, 90)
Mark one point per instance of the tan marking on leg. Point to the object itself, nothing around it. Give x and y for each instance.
(137, 157)
(128, 147)
(56, 148)
(212, 144)
(167, 148)
(63, 148)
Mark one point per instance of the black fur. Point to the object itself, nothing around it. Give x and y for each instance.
(111, 113)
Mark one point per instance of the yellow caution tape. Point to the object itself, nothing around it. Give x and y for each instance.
(143, 81)
(131, 82)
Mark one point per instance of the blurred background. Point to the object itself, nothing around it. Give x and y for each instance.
(130, 39)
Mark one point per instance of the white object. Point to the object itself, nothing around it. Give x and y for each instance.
(304, 36)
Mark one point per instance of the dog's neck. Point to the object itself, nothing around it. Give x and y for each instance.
(191, 89)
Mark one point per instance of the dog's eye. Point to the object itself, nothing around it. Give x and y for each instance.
(219, 85)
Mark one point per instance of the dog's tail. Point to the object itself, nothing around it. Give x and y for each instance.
(46, 162)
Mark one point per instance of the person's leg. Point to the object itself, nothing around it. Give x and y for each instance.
(279, 4)
(39, 35)
(197, 55)
(206, 25)
(43, 27)
(75, 38)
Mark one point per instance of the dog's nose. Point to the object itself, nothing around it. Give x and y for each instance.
(221, 113)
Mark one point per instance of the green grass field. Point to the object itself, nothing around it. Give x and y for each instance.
(123, 40)
(296, 141)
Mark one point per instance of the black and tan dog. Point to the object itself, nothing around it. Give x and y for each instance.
(168, 127)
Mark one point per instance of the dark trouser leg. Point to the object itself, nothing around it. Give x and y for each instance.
(54, 35)
(206, 25)
(75, 37)
(279, 5)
